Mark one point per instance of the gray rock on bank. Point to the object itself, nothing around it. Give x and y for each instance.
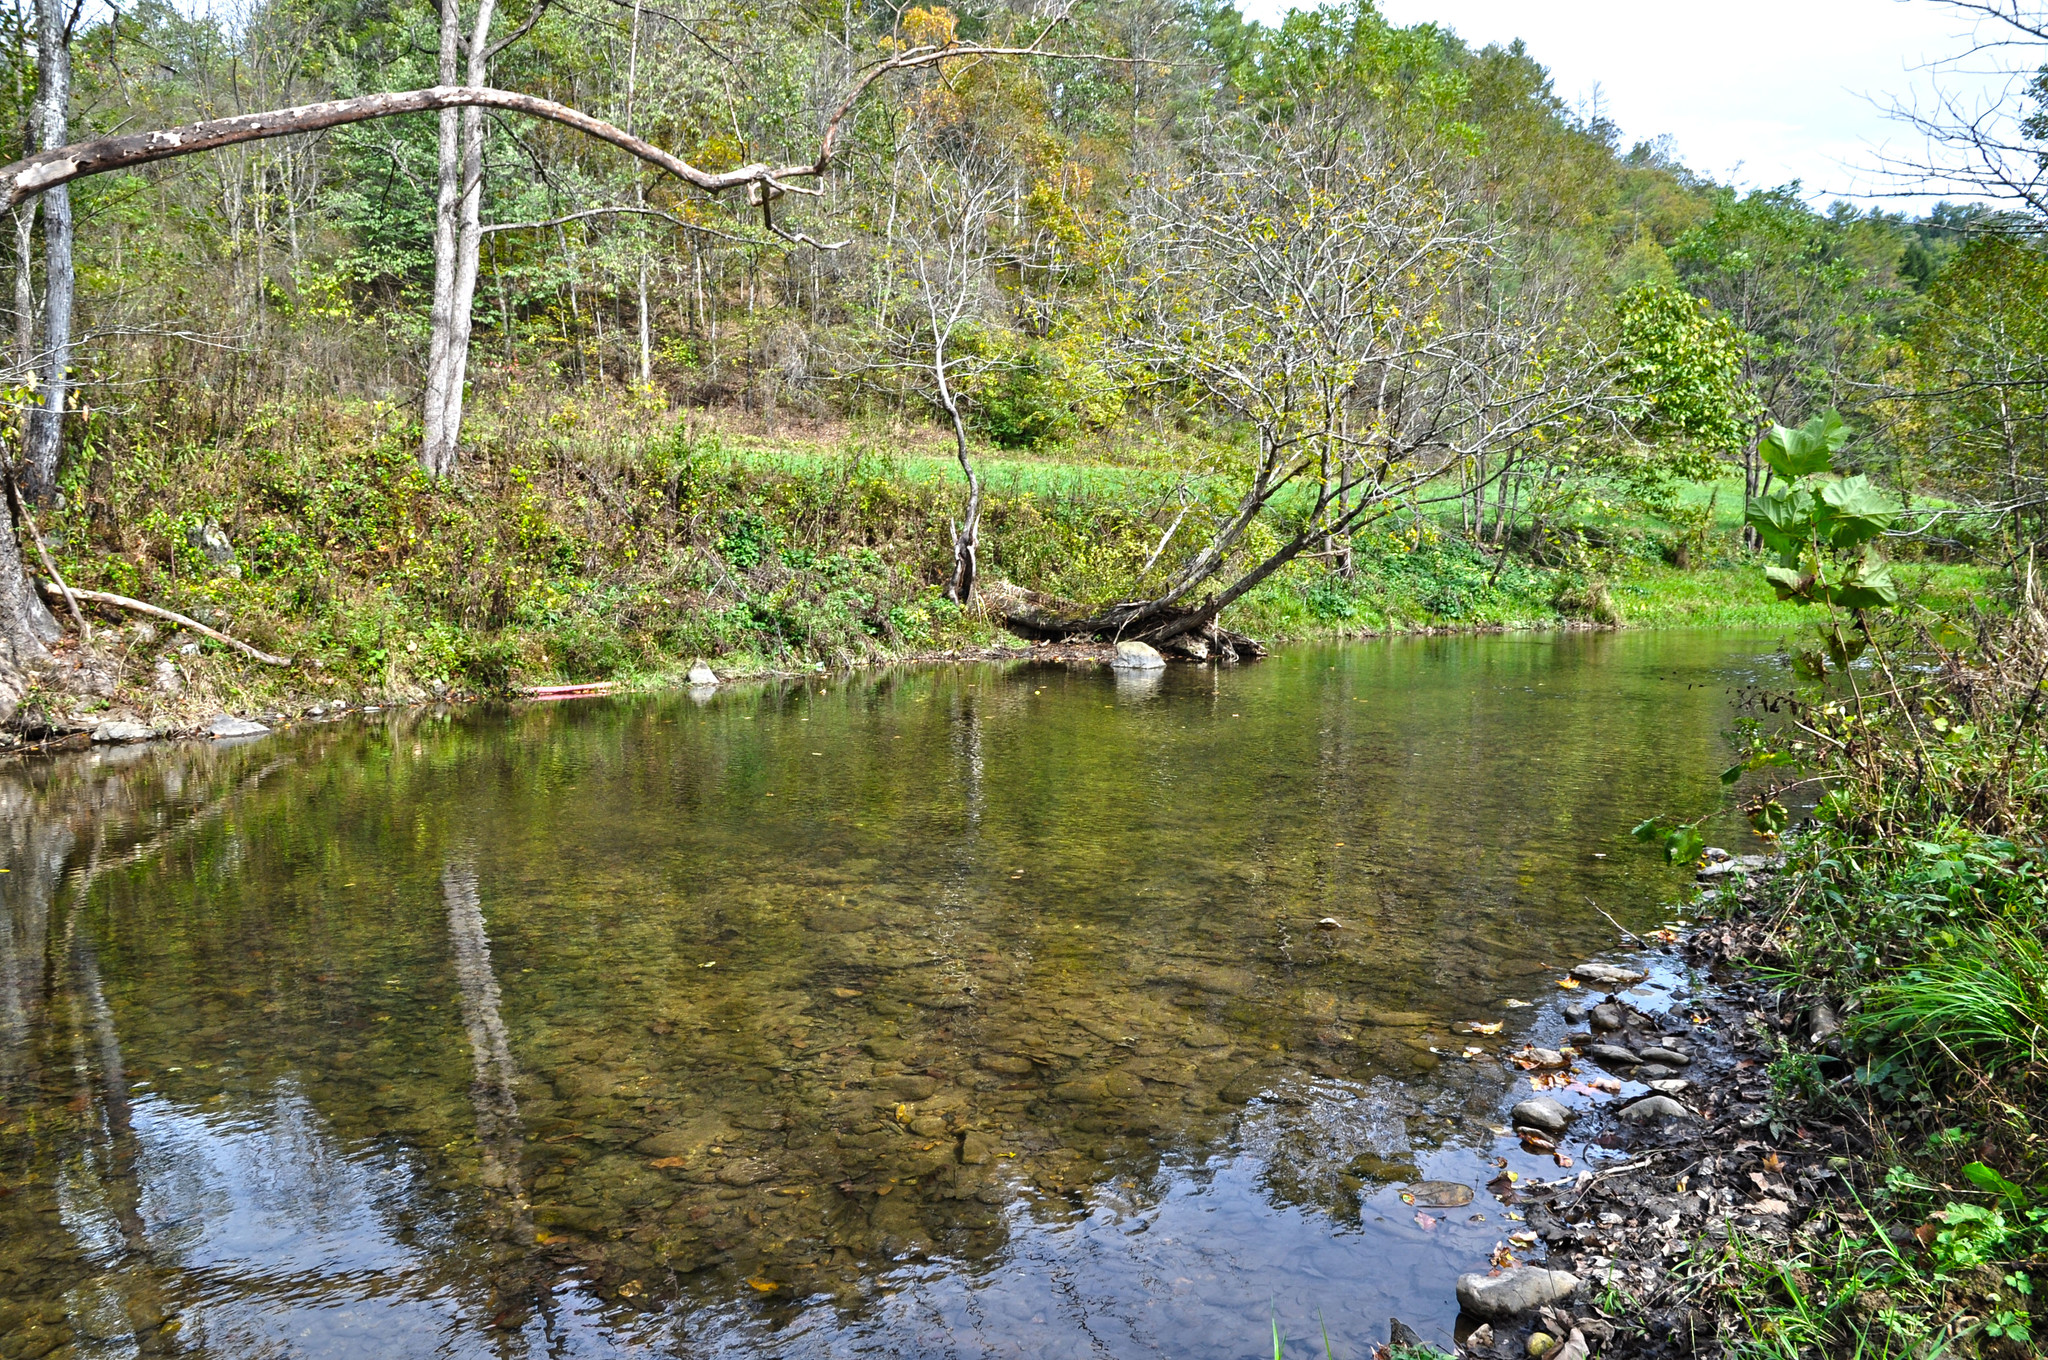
(1137, 656)
(1607, 975)
(120, 733)
(701, 674)
(1511, 1293)
(1654, 1107)
(1541, 1113)
(225, 725)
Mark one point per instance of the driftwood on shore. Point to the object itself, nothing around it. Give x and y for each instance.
(157, 612)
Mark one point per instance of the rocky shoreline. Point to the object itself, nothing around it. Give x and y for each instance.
(1617, 1258)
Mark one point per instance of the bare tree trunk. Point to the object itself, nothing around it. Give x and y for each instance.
(24, 288)
(437, 444)
(967, 533)
(53, 105)
(468, 242)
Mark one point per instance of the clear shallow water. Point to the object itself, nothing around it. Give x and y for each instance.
(969, 1011)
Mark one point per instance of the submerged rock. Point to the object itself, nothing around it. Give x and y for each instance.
(1440, 1194)
(1511, 1293)
(1009, 1065)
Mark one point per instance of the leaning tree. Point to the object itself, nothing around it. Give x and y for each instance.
(1340, 290)
(27, 628)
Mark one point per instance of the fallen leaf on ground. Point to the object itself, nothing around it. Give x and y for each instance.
(766, 1286)
(1568, 983)
(1424, 1221)
(1485, 1026)
(666, 1163)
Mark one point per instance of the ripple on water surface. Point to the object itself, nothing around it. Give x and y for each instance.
(975, 1011)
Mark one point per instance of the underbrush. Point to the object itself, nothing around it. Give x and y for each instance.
(1910, 922)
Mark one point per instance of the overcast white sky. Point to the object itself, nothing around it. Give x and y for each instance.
(1755, 92)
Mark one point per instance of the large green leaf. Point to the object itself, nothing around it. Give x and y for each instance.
(1853, 511)
(1782, 518)
(1808, 449)
(1791, 582)
(1867, 586)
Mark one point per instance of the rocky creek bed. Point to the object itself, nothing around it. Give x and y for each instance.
(1619, 1257)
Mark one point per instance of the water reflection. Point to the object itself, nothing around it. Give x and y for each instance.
(962, 1011)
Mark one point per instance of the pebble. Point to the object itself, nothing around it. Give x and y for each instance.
(1611, 1055)
(1575, 1014)
(1607, 1015)
(1672, 1087)
(1666, 1056)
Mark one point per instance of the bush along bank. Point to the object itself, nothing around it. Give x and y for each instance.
(1903, 952)
(1859, 1167)
(1907, 935)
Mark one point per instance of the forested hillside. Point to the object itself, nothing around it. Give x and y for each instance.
(1157, 314)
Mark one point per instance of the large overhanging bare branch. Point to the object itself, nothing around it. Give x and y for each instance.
(47, 169)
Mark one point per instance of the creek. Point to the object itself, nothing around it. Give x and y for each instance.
(972, 1010)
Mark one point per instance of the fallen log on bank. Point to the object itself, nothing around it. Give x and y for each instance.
(169, 616)
(1191, 633)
